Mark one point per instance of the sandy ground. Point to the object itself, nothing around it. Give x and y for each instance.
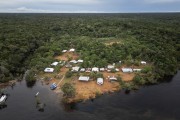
(87, 90)
(67, 55)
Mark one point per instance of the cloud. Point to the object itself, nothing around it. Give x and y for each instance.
(29, 10)
(161, 1)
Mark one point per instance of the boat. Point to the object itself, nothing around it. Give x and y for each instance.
(37, 94)
(53, 86)
(3, 99)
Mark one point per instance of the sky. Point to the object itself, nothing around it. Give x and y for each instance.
(88, 6)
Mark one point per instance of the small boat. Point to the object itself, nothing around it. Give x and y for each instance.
(53, 86)
(37, 94)
(3, 99)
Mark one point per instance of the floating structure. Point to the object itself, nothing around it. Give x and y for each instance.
(49, 70)
(53, 86)
(3, 99)
(84, 78)
(54, 63)
(100, 81)
(127, 70)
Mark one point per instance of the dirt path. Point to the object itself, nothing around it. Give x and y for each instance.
(61, 80)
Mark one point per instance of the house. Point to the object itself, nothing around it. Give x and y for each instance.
(73, 61)
(75, 69)
(100, 81)
(137, 70)
(84, 78)
(95, 69)
(88, 70)
(102, 69)
(80, 61)
(64, 51)
(49, 70)
(117, 70)
(72, 50)
(68, 65)
(143, 62)
(82, 70)
(110, 67)
(54, 63)
(127, 70)
(112, 78)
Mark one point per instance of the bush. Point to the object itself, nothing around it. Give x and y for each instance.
(68, 74)
(69, 90)
(139, 80)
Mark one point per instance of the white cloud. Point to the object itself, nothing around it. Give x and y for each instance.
(40, 2)
(161, 1)
(29, 10)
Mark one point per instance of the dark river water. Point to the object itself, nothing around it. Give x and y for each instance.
(157, 102)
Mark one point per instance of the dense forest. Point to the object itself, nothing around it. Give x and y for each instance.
(30, 41)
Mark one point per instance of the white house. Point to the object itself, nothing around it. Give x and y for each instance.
(84, 78)
(54, 64)
(80, 61)
(73, 61)
(75, 69)
(82, 70)
(137, 70)
(88, 70)
(143, 62)
(112, 78)
(95, 69)
(100, 81)
(127, 70)
(72, 50)
(102, 69)
(64, 51)
(110, 67)
(49, 70)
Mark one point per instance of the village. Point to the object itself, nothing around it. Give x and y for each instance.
(88, 82)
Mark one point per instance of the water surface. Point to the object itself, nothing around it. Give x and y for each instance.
(157, 102)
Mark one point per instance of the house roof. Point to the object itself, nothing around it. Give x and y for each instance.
(95, 69)
(143, 62)
(82, 69)
(64, 51)
(54, 63)
(110, 66)
(84, 78)
(80, 61)
(100, 80)
(75, 68)
(127, 70)
(71, 50)
(49, 70)
(73, 61)
(112, 78)
(137, 70)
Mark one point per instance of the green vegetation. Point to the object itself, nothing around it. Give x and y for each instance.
(69, 90)
(30, 41)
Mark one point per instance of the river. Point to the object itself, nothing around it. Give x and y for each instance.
(156, 102)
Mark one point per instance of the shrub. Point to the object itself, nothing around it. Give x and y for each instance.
(69, 90)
